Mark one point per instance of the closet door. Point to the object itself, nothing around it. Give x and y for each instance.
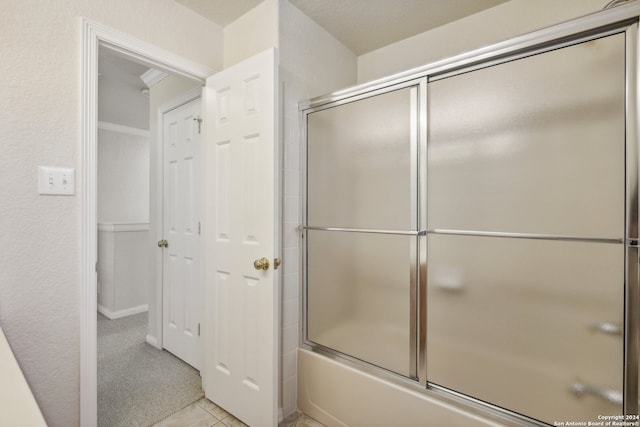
(526, 211)
(362, 237)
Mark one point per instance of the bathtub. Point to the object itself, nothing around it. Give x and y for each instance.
(339, 395)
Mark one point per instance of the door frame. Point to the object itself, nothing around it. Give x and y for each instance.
(181, 100)
(95, 36)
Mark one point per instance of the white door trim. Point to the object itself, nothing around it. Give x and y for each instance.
(94, 36)
(164, 108)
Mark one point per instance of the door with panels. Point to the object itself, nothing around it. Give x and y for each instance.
(241, 293)
(181, 290)
(526, 230)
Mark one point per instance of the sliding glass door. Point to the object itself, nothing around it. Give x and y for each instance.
(475, 228)
(526, 217)
(361, 243)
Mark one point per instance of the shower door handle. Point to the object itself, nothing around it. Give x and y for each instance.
(607, 328)
(579, 389)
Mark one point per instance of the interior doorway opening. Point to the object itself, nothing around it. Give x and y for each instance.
(97, 38)
(139, 382)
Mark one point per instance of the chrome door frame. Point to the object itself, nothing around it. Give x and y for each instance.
(632, 279)
(620, 19)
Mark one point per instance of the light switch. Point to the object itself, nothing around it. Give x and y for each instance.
(56, 181)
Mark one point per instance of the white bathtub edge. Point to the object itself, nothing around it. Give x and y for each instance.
(340, 396)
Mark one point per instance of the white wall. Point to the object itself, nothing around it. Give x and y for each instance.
(312, 62)
(493, 25)
(252, 33)
(123, 177)
(40, 248)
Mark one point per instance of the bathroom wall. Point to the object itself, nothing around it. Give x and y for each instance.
(490, 26)
(40, 290)
(252, 33)
(312, 62)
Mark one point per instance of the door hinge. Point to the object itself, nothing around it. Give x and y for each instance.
(199, 120)
(199, 228)
(96, 266)
(198, 329)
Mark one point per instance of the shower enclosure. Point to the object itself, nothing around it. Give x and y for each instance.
(470, 228)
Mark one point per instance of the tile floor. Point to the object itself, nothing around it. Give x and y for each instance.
(205, 413)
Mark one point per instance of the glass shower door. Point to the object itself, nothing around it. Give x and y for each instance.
(362, 236)
(526, 211)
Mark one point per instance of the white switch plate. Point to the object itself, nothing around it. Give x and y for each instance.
(57, 181)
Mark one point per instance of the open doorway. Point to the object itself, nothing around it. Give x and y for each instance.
(97, 38)
(138, 381)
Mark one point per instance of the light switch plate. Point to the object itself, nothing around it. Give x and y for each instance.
(56, 181)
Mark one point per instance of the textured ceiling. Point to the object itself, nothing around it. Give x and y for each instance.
(361, 25)
(222, 12)
(366, 25)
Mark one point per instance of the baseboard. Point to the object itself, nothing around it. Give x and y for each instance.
(122, 313)
(151, 340)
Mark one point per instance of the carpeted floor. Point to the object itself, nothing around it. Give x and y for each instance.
(137, 383)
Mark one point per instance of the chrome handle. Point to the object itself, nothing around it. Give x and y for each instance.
(579, 389)
(608, 328)
(163, 244)
(261, 264)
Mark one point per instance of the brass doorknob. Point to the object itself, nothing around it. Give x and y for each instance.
(261, 264)
(163, 244)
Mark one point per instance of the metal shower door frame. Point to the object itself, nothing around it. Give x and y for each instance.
(417, 152)
(621, 19)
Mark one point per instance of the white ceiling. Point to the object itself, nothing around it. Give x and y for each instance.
(361, 25)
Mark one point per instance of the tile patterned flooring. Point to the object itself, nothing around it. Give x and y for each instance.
(205, 413)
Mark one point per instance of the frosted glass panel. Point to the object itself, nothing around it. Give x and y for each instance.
(531, 146)
(358, 296)
(518, 322)
(359, 167)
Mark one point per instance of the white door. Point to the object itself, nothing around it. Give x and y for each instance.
(241, 330)
(181, 292)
